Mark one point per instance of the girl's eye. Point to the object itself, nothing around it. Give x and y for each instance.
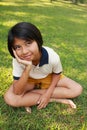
(17, 47)
(29, 42)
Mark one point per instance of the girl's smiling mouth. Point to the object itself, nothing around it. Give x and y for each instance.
(26, 57)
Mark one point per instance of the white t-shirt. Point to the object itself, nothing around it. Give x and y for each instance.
(49, 63)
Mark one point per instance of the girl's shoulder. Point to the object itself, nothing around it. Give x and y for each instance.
(50, 51)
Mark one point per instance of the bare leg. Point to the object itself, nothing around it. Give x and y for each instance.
(66, 88)
(64, 101)
(27, 99)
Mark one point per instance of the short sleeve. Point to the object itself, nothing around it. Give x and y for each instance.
(57, 66)
(56, 63)
(17, 69)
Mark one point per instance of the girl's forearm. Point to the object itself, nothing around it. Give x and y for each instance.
(19, 86)
(55, 79)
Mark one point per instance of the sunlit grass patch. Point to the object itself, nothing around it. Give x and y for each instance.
(64, 28)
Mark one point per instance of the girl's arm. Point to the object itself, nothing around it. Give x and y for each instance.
(55, 79)
(19, 85)
(44, 99)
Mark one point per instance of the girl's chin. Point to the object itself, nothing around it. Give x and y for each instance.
(27, 59)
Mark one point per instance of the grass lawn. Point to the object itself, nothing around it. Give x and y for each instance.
(64, 28)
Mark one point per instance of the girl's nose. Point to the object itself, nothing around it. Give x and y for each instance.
(25, 50)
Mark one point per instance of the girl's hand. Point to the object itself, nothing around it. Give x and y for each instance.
(43, 101)
(27, 63)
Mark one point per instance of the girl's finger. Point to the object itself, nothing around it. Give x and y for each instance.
(15, 53)
(18, 59)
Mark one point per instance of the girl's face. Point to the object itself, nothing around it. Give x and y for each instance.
(27, 50)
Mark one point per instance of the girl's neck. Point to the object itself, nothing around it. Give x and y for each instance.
(37, 61)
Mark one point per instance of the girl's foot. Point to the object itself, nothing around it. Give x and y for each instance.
(28, 109)
(64, 101)
(72, 104)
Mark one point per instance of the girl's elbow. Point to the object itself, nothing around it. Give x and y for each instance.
(17, 92)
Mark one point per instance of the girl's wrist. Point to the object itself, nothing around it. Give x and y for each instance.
(28, 67)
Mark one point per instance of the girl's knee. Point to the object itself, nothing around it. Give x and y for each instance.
(80, 89)
(77, 91)
(10, 100)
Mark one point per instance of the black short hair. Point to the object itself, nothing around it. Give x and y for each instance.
(26, 31)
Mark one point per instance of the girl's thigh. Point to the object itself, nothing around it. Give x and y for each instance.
(68, 83)
(67, 88)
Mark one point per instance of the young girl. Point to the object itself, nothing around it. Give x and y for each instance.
(37, 71)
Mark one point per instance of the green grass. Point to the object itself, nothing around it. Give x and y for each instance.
(64, 28)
